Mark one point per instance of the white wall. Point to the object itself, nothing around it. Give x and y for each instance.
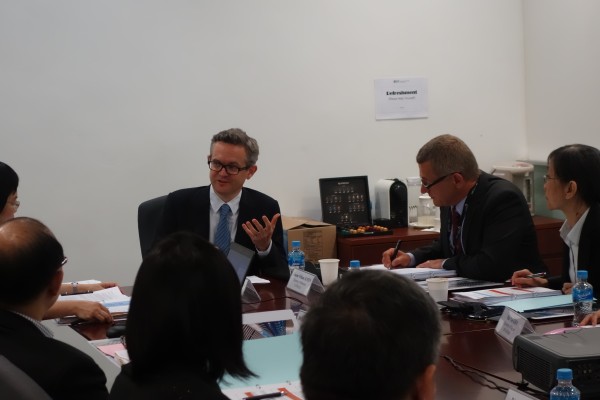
(562, 74)
(106, 104)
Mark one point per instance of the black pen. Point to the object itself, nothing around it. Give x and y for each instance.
(395, 253)
(73, 294)
(265, 396)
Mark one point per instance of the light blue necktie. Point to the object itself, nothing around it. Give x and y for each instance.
(222, 235)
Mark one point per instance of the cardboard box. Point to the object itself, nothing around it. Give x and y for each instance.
(317, 239)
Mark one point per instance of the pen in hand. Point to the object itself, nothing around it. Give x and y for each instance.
(395, 253)
(537, 275)
(265, 396)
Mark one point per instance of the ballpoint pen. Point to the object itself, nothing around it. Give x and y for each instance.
(395, 253)
(537, 275)
(76, 293)
(265, 396)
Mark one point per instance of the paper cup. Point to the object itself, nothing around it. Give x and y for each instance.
(329, 270)
(438, 288)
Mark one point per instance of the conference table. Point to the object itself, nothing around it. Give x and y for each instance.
(470, 345)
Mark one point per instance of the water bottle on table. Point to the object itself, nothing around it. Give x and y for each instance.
(354, 265)
(565, 389)
(296, 257)
(583, 297)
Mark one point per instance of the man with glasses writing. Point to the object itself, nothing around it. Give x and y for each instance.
(226, 211)
(486, 228)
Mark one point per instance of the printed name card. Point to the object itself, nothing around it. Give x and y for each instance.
(512, 324)
(249, 293)
(302, 282)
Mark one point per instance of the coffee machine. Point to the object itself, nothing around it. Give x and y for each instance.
(391, 205)
(521, 174)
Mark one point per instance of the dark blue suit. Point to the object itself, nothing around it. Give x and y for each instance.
(189, 210)
(63, 371)
(498, 235)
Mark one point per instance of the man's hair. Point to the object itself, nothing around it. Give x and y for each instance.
(186, 310)
(370, 336)
(579, 163)
(448, 154)
(30, 255)
(9, 182)
(240, 138)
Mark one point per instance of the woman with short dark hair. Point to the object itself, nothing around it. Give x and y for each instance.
(184, 327)
(572, 185)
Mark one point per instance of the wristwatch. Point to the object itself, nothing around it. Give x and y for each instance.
(74, 287)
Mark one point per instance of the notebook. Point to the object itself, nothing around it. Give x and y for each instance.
(240, 258)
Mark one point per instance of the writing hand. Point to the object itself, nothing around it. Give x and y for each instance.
(261, 234)
(91, 310)
(522, 278)
(402, 259)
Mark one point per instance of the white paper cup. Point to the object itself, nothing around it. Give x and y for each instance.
(438, 288)
(329, 270)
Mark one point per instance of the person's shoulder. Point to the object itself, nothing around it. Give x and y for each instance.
(496, 183)
(189, 191)
(256, 195)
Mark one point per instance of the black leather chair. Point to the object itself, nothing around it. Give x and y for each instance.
(149, 216)
(17, 385)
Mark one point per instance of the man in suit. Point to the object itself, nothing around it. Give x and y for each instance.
(486, 228)
(31, 261)
(252, 219)
(360, 344)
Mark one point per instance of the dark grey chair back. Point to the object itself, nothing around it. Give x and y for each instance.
(17, 385)
(149, 216)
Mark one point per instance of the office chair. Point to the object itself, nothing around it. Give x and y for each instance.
(17, 385)
(149, 216)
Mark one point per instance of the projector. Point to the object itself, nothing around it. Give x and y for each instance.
(537, 357)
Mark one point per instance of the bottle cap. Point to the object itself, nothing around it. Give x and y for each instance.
(295, 243)
(354, 264)
(582, 274)
(564, 374)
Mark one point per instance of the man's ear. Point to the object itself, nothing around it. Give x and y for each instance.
(56, 282)
(424, 387)
(251, 171)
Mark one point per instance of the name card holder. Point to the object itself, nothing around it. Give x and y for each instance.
(512, 324)
(249, 293)
(302, 282)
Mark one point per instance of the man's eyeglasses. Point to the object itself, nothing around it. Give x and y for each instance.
(428, 186)
(548, 178)
(231, 169)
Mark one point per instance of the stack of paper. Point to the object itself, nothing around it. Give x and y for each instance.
(112, 298)
(417, 274)
(493, 296)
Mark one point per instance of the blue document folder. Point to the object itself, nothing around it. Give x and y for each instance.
(276, 359)
(538, 303)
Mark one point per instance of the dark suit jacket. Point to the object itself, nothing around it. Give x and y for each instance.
(188, 210)
(498, 235)
(170, 383)
(61, 370)
(589, 253)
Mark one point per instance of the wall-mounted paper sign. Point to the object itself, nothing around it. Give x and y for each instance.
(401, 98)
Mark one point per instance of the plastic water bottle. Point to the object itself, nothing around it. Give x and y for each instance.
(296, 257)
(583, 297)
(354, 266)
(565, 389)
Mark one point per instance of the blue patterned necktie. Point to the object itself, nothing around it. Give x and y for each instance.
(222, 235)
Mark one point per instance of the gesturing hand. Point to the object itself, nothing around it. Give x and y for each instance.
(261, 234)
